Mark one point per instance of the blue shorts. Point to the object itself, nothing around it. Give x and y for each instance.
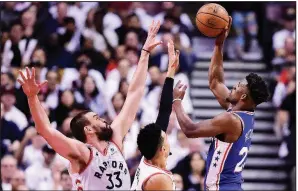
(227, 187)
(230, 187)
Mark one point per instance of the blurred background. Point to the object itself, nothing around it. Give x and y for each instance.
(88, 52)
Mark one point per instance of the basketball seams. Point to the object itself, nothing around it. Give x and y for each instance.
(208, 25)
(213, 15)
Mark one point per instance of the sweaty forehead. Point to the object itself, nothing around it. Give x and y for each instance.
(90, 115)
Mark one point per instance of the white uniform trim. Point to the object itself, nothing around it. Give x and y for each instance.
(219, 157)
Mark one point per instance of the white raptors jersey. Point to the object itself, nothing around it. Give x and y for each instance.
(104, 171)
(145, 171)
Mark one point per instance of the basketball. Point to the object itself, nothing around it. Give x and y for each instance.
(211, 19)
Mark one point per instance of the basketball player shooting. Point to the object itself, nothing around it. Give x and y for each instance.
(95, 156)
(231, 130)
(152, 140)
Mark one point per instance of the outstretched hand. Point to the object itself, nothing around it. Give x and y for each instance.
(173, 59)
(179, 90)
(224, 34)
(151, 42)
(29, 85)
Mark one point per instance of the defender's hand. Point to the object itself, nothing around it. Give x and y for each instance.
(179, 90)
(151, 42)
(222, 37)
(173, 59)
(29, 85)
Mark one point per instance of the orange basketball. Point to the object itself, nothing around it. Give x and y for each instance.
(211, 19)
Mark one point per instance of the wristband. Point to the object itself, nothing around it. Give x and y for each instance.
(177, 99)
(146, 50)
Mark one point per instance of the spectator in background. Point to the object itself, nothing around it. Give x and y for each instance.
(160, 59)
(51, 90)
(91, 96)
(28, 21)
(13, 50)
(57, 56)
(18, 179)
(43, 179)
(29, 154)
(69, 35)
(39, 61)
(286, 118)
(192, 169)
(65, 181)
(56, 20)
(285, 84)
(8, 14)
(246, 27)
(10, 134)
(285, 54)
(178, 182)
(72, 78)
(8, 168)
(132, 41)
(131, 24)
(169, 26)
(116, 75)
(12, 113)
(65, 106)
(280, 37)
(65, 127)
(123, 87)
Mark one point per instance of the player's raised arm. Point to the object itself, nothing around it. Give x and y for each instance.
(216, 71)
(223, 123)
(136, 88)
(166, 99)
(68, 148)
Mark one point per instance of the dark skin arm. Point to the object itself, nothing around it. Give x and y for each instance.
(224, 123)
(216, 70)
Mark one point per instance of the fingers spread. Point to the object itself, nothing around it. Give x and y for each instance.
(43, 83)
(20, 81)
(28, 73)
(33, 73)
(22, 75)
(184, 87)
(178, 84)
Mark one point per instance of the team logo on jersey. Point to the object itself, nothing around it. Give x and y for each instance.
(248, 135)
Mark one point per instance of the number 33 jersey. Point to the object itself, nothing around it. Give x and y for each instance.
(225, 161)
(104, 171)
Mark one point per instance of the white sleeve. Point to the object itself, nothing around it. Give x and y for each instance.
(278, 95)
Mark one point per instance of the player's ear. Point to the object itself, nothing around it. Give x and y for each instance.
(88, 129)
(244, 96)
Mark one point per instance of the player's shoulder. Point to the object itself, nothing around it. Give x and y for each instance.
(158, 181)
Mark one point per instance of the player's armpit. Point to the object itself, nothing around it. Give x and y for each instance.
(158, 182)
(223, 123)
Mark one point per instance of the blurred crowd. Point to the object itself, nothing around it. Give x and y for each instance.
(88, 52)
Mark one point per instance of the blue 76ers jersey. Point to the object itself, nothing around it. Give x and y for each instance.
(225, 161)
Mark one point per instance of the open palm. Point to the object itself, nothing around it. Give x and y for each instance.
(151, 42)
(29, 85)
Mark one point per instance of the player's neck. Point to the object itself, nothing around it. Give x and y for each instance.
(157, 162)
(242, 107)
(99, 145)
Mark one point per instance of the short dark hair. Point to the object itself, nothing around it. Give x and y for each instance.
(258, 88)
(65, 171)
(149, 140)
(77, 125)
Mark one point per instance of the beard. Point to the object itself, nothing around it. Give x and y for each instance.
(105, 134)
(231, 100)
